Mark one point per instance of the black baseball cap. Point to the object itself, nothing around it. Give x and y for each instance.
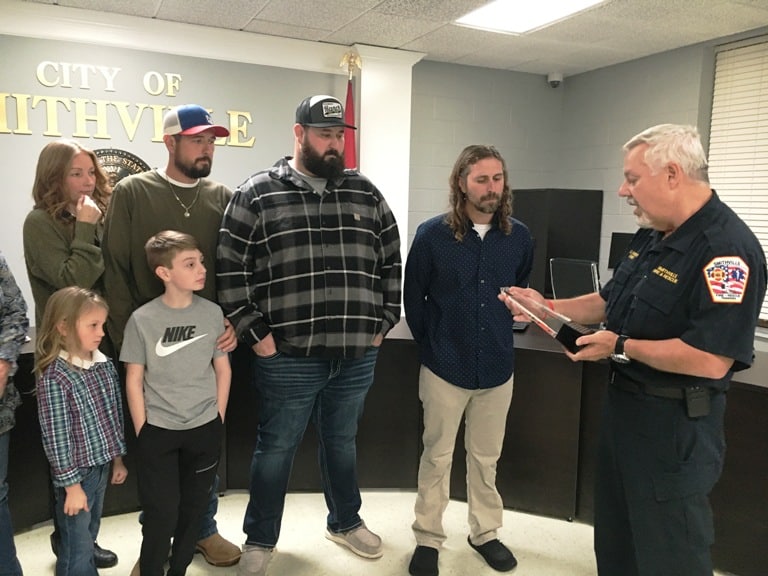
(321, 111)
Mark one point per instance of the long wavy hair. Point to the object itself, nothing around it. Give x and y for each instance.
(58, 329)
(53, 166)
(457, 218)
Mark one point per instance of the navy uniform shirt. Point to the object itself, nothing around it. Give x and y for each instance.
(704, 284)
(450, 293)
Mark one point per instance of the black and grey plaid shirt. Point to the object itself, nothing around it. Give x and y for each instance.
(320, 272)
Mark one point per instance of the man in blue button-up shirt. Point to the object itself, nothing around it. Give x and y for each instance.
(456, 265)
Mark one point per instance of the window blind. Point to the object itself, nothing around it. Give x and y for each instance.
(738, 146)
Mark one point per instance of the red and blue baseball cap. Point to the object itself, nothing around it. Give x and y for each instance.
(190, 119)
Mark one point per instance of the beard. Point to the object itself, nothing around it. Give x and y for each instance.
(642, 221)
(199, 168)
(329, 166)
(488, 204)
(641, 218)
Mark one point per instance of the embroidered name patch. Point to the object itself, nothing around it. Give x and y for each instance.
(668, 275)
(726, 278)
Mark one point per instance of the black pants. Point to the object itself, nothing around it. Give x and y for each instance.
(175, 472)
(656, 468)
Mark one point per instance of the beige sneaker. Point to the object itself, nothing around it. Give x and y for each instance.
(218, 551)
(254, 560)
(360, 540)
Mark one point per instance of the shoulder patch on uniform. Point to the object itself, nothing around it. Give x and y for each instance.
(726, 278)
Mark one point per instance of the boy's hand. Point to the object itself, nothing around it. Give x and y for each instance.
(75, 501)
(119, 471)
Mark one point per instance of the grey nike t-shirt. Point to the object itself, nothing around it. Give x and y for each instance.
(176, 347)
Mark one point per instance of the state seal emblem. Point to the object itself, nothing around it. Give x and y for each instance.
(118, 163)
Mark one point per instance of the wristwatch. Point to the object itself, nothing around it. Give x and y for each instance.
(618, 352)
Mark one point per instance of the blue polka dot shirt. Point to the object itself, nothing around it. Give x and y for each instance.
(450, 293)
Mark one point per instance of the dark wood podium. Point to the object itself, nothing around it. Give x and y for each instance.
(547, 463)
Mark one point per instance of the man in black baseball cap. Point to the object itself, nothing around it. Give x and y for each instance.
(308, 272)
(321, 112)
(319, 132)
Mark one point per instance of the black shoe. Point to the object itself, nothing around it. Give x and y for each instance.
(496, 555)
(423, 562)
(103, 558)
(55, 543)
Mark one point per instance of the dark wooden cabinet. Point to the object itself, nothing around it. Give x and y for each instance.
(564, 223)
(547, 463)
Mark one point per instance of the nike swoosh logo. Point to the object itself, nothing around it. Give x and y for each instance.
(161, 350)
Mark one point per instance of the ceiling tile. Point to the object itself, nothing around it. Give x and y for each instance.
(326, 15)
(145, 8)
(612, 32)
(385, 30)
(232, 14)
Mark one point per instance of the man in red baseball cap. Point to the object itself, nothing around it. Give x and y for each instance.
(180, 197)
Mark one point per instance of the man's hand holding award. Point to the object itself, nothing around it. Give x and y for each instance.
(557, 325)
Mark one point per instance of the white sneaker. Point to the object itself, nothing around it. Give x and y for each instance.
(254, 560)
(360, 540)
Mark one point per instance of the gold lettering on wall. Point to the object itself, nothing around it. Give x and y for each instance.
(157, 121)
(51, 112)
(22, 118)
(156, 83)
(238, 128)
(131, 124)
(81, 117)
(4, 114)
(62, 74)
(94, 118)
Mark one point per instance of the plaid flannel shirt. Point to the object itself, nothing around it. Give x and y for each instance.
(320, 272)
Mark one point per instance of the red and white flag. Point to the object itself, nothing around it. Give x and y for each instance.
(350, 149)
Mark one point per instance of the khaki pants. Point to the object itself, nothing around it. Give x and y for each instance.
(485, 413)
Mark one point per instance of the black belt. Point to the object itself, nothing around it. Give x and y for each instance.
(627, 385)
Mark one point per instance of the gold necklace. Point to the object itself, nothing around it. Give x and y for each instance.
(186, 208)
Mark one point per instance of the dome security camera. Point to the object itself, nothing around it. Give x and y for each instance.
(554, 79)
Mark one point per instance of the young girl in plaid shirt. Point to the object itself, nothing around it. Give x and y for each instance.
(81, 420)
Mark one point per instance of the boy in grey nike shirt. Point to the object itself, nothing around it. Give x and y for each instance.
(177, 385)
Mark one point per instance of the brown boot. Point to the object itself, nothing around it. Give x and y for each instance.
(218, 551)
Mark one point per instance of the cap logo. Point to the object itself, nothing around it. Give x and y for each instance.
(332, 110)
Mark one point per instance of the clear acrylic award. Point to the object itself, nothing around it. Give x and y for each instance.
(557, 325)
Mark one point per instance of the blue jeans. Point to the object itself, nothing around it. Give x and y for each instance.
(208, 527)
(9, 564)
(291, 391)
(79, 532)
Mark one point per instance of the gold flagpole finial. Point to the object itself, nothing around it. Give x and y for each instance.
(351, 60)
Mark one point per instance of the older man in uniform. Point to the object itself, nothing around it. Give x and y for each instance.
(680, 316)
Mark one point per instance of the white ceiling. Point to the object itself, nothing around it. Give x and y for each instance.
(615, 31)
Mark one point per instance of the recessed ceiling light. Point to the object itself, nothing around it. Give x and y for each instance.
(518, 16)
